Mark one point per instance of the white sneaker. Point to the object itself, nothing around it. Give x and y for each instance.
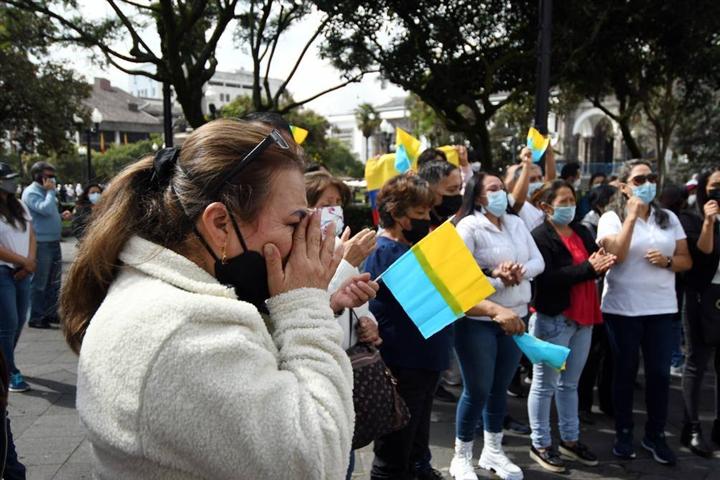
(493, 458)
(461, 467)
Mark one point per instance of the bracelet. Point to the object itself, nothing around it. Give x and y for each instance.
(669, 262)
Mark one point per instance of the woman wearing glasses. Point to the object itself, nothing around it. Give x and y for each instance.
(639, 303)
(198, 304)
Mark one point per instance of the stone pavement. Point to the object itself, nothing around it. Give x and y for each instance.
(51, 442)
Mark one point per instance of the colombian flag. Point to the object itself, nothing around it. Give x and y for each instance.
(437, 280)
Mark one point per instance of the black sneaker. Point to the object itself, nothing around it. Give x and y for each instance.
(548, 459)
(579, 453)
(429, 474)
(39, 324)
(623, 447)
(659, 449)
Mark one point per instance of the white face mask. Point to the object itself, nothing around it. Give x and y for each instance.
(333, 214)
(692, 199)
(94, 197)
(577, 183)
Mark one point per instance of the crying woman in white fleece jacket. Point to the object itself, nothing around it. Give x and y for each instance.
(180, 375)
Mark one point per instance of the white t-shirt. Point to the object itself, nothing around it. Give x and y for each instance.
(636, 287)
(14, 239)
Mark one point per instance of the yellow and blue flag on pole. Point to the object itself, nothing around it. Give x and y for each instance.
(407, 150)
(537, 143)
(437, 280)
(299, 134)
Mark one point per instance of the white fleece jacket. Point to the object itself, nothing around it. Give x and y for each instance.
(177, 379)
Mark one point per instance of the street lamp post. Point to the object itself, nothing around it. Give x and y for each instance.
(387, 130)
(96, 119)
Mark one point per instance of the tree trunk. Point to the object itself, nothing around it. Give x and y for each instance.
(630, 140)
(479, 138)
(190, 96)
(367, 148)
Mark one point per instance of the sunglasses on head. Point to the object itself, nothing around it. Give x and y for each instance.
(641, 179)
(231, 177)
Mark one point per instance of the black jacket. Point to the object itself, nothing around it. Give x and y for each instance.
(704, 265)
(552, 287)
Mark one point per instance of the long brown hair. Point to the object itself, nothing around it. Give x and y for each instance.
(12, 212)
(135, 204)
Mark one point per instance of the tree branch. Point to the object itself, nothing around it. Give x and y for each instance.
(354, 79)
(284, 85)
(140, 6)
(137, 39)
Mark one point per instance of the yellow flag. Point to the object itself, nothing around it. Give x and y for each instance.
(379, 170)
(411, 144)
(451, 153)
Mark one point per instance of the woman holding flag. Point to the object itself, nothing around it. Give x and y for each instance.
(567, 306)
(503, 247)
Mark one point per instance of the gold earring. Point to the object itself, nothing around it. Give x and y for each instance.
(224, 254)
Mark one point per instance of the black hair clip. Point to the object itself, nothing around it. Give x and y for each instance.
(164, 165)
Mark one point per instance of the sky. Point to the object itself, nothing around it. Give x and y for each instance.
(313, 75)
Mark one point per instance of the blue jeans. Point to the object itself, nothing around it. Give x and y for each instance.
(488, 359)
(14, 306)
(45, 284)
(652, 333)
(548, 382)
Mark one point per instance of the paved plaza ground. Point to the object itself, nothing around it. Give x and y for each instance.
(51, 441)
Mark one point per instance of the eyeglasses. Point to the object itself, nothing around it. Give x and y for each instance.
(641, 179)
(273, 138)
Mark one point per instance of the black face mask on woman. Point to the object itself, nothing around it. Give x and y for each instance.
(714, 194)
(419, 228)
(246, 273)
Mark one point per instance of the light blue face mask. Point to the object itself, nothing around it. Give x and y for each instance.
(645, 192)
(563, 215)
(497, 203)
(534, 187)
(94, 197)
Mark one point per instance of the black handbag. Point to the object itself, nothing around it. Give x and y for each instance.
(379, 408)
(710, 315)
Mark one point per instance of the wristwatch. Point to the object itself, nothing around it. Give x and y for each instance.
(669, 262)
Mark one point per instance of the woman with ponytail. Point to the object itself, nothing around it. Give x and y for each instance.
(198, 305)
(639, 303)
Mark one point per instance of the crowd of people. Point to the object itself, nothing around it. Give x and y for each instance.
(170, 360)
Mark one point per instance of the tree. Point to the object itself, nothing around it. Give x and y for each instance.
(425, 122)
(38, 97)
(698, 134)
(259, 29)
(329, 152)
(650, 56)
(188, 33)
(463, 59)
(368, 121)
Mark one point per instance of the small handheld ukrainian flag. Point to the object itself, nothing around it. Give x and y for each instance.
(537, 143)
(437, 280)
(540, 351)
(407, 150)
(299, 134)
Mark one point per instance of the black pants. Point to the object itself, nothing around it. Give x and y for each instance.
(698, 354)
(14, 470)
(397, 452)
(598, 371)
(627, 335)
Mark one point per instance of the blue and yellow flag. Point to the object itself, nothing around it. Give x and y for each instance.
(437, 280)
(537, 144)
(540, 351)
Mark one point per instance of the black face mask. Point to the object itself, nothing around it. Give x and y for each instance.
(418, 229)
(449, 206)
(714, 194)
(246, 273)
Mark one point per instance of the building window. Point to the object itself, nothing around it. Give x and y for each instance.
(217, 84)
